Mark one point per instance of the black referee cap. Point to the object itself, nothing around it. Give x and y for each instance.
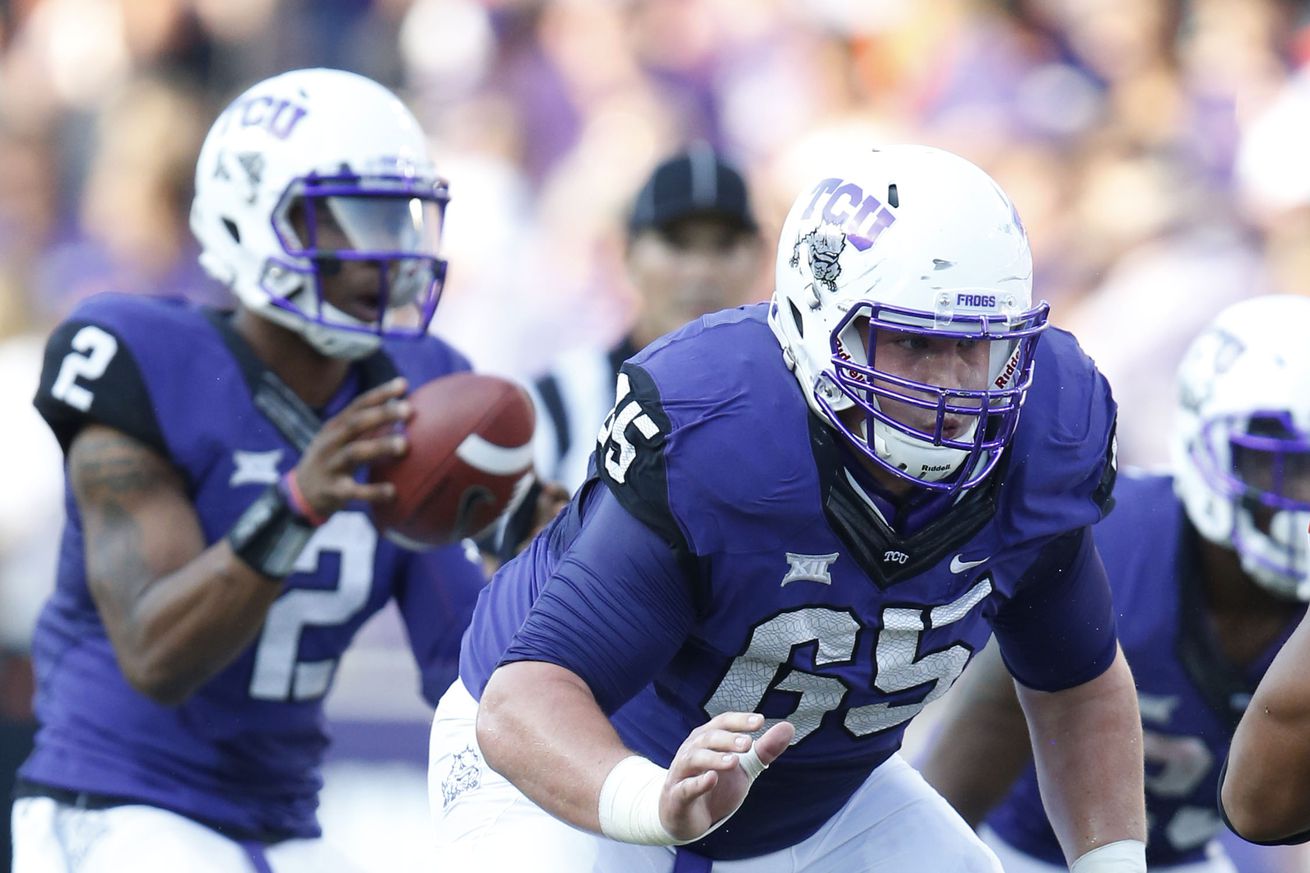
(694, 182)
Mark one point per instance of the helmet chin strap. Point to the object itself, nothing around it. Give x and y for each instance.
(1281, 569)
(904, 452)
(331, 342)
(346, 345)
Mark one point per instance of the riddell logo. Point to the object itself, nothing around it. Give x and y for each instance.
(1010, 366)
(853, 375)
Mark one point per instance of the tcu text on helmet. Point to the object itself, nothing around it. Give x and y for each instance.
(861, 216)
(279, 117)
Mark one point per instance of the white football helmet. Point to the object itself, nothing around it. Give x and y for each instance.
(308, 150)
(1241, 448)
(908, 243)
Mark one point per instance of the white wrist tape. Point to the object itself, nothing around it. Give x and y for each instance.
(630, 803)
(629, 808)
(1124, 856)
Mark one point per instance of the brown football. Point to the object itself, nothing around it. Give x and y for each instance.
(470, 455)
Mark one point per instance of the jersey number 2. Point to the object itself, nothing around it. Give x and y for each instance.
(93, 349)
(278, 674)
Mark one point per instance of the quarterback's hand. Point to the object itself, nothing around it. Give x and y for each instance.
(360, 434)
(706, 783)
(550, 500)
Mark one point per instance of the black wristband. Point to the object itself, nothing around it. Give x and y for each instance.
(269, 536)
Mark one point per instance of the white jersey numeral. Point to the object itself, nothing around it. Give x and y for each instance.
(834, 630)
(93, 350)
(278, 674)
(616, 449)
(1175, 767)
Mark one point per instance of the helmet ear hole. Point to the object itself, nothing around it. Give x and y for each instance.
(796, 317)
(232, 230)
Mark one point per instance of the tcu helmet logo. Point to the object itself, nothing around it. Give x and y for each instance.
(862, 218)
(826, 244)
(1213, 354)
(893, 556)
(278, 116)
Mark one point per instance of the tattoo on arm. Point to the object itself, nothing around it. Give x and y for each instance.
(105, 465)
(112, 474)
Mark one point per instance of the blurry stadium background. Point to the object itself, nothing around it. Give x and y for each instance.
(1158, 151)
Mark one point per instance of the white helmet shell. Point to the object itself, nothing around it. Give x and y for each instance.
(288, 137)
(1244, 385)
(918, 240)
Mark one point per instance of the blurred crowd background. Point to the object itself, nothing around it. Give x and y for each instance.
(1158, 151)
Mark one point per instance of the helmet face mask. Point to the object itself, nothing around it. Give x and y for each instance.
(305, 183)
(903, 307)
(391, 224)
(884, 362)
(1242, 439)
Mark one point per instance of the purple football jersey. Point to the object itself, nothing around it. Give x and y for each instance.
(243, 752)
(808, 605)
(1191, 695)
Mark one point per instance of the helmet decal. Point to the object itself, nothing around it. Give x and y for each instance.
(825, 244)
(871, 296)
(862, 217)
(277, 116)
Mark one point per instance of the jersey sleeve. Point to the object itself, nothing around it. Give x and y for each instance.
(436, 597)
(618, 606)
(630, 455)
(90, 376)
(1061, 474)
(1058, 630)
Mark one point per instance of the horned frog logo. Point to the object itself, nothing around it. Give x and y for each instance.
(1213, 354)
(825, 243)
(465, 775)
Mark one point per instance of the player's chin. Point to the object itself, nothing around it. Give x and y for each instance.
(366, 308)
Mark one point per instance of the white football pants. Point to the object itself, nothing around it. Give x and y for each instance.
(894, 823)
(52, 837)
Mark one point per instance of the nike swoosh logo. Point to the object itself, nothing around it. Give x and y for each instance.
(958, 566)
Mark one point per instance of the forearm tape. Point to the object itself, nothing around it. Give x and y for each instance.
(1124, 856)
(269, 536)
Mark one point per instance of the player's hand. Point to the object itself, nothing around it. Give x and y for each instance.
(550, 500)
(360, 434)
(706, 783)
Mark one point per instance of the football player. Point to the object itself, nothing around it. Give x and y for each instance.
(692, 247)
(803, 518)
(218, 555)
(1208, 569)
(1265, 789)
